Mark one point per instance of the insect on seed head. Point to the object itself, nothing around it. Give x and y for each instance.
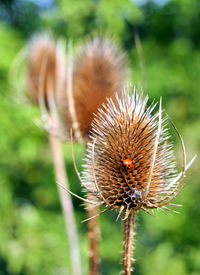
(128, 163)
(146, 179)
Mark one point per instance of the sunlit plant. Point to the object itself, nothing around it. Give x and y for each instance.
(130, 164)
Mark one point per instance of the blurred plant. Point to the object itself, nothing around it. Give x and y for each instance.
(46, 79)
(99, 72)
(130, 163)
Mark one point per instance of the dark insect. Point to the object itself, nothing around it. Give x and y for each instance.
(136, 197)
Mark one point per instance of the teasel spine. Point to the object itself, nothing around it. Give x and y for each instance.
(49, 77)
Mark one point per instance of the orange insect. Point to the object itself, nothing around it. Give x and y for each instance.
(128, 163)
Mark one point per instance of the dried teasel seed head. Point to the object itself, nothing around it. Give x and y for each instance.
(45, 63)
(130, 161)
(98, 73)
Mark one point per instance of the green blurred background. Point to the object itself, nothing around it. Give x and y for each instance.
(32, 236)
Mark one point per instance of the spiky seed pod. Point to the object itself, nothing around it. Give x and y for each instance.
(44, 62)
(129, 133)
(98, 73)
(130, 163)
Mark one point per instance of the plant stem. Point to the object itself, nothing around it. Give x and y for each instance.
(129, 228)
(93, 235)
(66, 202)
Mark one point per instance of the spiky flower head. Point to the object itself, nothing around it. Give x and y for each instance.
(98, 73)
(130, 162)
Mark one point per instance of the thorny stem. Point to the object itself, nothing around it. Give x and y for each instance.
(66, 203)
(129, 228)
(93, 235)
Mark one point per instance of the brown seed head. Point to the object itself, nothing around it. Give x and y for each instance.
(130, 161)
(43, 63)
(98, 73)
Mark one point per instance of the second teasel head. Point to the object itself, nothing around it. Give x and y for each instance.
(98, 72)
(130, 163)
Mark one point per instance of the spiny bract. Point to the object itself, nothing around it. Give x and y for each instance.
(128, 131)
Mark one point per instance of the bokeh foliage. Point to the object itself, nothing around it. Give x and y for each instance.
(32, 236)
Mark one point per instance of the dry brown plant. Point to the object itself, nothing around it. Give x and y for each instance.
(46, 80)
(130, 163)
(98, 72)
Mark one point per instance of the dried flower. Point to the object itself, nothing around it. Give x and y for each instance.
(98, 73)
(45, 69)
(130, 162)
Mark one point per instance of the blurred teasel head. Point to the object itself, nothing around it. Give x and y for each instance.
(46, 68)
(98, 73)
(130, 163)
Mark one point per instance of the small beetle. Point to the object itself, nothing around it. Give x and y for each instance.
(136, 197)
(128, 163)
